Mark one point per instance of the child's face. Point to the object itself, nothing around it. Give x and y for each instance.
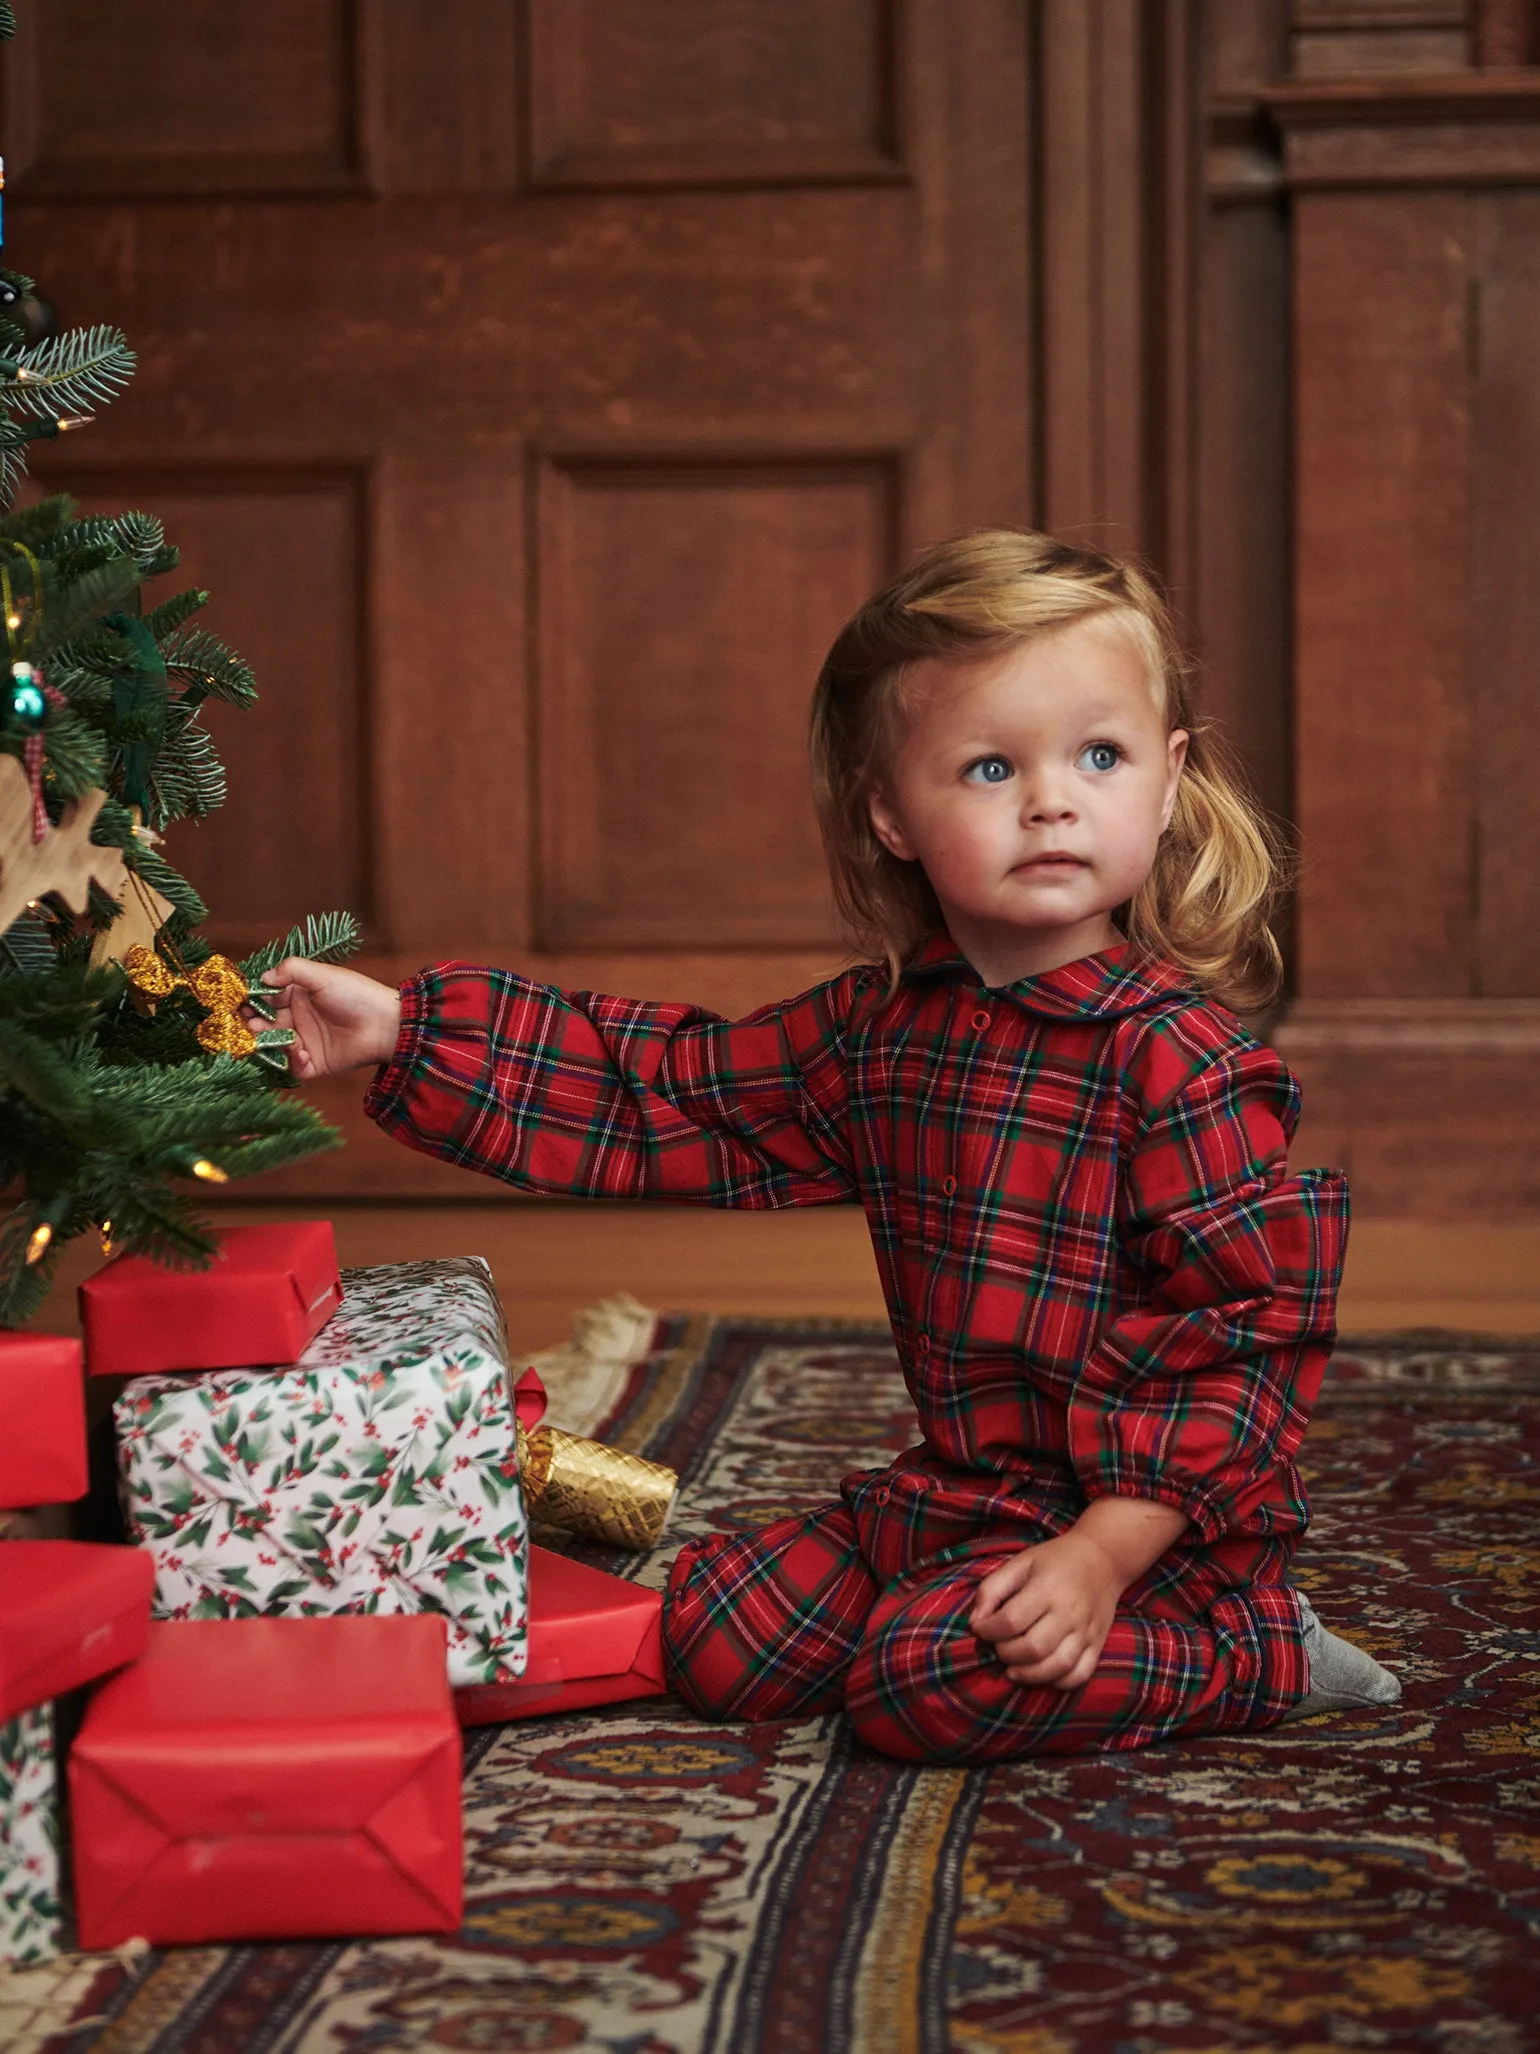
(1032, 788)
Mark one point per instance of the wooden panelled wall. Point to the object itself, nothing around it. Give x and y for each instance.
(537, 386)
(1414, 187)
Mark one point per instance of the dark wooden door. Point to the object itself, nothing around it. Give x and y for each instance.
(536, 388)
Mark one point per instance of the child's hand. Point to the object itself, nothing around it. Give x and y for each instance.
(343, 1019)
(1049, 1610)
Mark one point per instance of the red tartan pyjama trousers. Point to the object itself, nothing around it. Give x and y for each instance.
(863, 1604)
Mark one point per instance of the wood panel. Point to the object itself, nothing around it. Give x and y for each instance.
(1504, 654)
(1416, 1029)
(105, 101)
(1507, 32)
(1428, 1105)
(1333, 37)
(646, 839)
(447, 94)
(294, 832)
(1382, 694)
(1095, 428)
(629, 93)
(450, 729)
(1241, 614)
(1471, 129)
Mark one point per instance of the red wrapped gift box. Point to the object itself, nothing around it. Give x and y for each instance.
(593, 1639)
(69, 1612)
(259, 1779)
(42, 1421)
(266, 1297)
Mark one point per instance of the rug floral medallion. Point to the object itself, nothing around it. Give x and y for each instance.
(645, 1883)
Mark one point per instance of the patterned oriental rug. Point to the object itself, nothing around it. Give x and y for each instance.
(643, 1883)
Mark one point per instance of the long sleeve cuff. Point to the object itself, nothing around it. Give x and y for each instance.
(382, 1101)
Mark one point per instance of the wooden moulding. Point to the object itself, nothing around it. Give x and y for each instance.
(1429, 1105)
(1462, 129)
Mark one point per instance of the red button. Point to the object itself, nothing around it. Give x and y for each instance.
(949, 1185)
(922, 1345)
(981, 1021)
(880, 1497)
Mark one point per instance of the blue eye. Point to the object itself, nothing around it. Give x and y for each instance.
(1100, 756)
(989, 770)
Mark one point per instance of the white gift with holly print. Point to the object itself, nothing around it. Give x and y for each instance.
(379, 1473)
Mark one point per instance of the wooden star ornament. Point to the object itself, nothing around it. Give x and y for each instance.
(63, 864)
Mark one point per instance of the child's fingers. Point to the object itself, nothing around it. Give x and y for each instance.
(1053, 1665)
(1025, 1636)
(1082, 1672)
(1012, 1618)
(300, 972)
(998, 1586)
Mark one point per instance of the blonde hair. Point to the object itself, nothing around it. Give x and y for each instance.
(1206, 902)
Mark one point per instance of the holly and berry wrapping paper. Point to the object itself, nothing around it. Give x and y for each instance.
(29, 1838)
(379, 1473)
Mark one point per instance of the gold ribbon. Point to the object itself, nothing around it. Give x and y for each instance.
(216, 984)
(600, 1492)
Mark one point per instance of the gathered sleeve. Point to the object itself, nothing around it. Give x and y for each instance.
(1199, 1395)
(579, 1095)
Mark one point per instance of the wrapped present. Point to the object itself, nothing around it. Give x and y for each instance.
(69, 1612)
(42, 1421)
(267, 1294)
(378, 1474)
(29, 1838)
(259, 1779)
(594, 1639)
(584, 1486)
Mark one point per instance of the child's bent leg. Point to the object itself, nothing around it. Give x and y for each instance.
(923, 1688)
(763, 1625)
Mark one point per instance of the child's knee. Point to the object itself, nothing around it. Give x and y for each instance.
(736, 1646)
(922, 1688)
(701, 1663)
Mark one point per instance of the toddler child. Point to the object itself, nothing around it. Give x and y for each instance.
(1112, 1303)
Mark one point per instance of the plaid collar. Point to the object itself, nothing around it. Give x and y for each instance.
(1096, 987)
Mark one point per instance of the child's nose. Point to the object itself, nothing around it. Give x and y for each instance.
(1047, 797)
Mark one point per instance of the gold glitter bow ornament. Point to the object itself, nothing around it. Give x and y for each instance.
(216, 984)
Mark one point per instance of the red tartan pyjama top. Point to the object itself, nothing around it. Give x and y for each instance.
(1101, 1277)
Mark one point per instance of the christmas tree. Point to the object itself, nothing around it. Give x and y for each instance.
(129, 1060)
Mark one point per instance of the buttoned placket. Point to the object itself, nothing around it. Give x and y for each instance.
(979, 1023)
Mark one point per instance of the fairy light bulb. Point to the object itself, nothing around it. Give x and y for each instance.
(37, 1247)
(211, 1173)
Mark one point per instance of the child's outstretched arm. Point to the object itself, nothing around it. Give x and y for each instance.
(1049, 1609)
(576, 1094)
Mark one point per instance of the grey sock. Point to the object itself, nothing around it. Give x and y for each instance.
(1342, 1677)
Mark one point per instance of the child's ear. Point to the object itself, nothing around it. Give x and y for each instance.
(1176, 756)
(888, 828)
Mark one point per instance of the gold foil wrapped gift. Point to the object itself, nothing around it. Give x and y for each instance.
(583, 1486)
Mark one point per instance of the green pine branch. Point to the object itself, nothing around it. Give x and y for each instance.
(74, 373)
(74, 607)
(171, 613)
(207, 669)
(324, 938)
